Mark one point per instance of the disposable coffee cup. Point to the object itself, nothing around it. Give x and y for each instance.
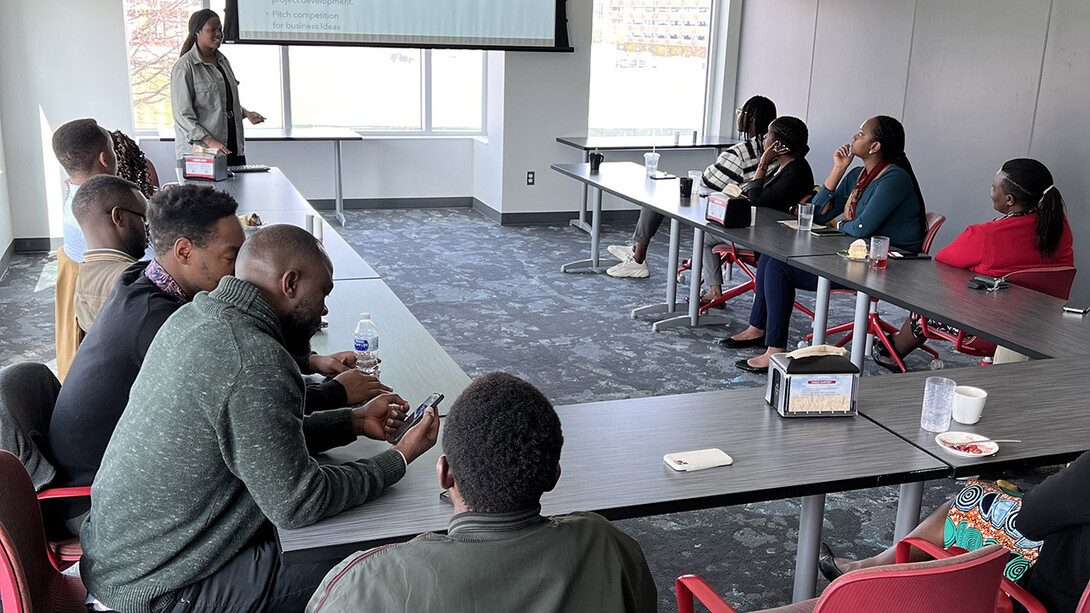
(686, 185)
(968, 404)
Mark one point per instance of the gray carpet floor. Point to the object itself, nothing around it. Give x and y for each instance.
(495, 299)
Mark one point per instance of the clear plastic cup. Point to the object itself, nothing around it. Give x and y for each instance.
(938, 404)
(879, 251)
(806, 217)
(651, 162)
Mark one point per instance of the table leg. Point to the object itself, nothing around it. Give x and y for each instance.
(694, 318)
(821, 311)
(908, 510)
(806, 557)
(581, 223)
(859, 332)
(671, 305)
(337, 182)
(592, 265)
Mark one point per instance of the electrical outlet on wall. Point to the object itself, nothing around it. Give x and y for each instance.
(530, 177)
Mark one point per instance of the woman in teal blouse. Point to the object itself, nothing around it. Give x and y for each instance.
(880, 198)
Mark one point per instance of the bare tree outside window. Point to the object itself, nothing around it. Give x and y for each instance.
(155, 30)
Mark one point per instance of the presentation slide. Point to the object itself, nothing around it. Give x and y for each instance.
(515, 23)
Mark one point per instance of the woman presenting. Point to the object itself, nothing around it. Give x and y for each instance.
(204, 94)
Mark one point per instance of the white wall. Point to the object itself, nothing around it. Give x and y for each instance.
(6, 234)
(59, 60)
(488, 153)
(975, 82)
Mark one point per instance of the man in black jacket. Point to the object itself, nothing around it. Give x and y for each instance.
(197, 237)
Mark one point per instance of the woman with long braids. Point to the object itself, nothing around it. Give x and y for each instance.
(132, 164)
(1031, 232)
(882, 197)
(734, 166)
(204, 94)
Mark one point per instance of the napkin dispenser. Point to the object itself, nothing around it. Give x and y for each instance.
(212, 166)
(729, 212)
(813, 382)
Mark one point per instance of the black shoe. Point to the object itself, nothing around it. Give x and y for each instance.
(882, 358)
(826, 564)
(744, 365)
(730, 343)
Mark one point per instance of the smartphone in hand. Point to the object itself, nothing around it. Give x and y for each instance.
(414, 418)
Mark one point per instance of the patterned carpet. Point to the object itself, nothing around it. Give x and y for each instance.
(495, 299)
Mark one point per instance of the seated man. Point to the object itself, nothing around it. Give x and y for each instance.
(197, 238)
(84, 149)
(210, 452)
(501, 446)
(112, 214)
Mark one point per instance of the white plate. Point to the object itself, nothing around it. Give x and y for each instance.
(844, 254)
(945, 439)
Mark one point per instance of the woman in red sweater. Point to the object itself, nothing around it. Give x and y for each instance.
(1031, 233)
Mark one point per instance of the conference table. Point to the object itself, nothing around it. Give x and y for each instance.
(1042, 403)
(337, 136)
(1041, 328)
(590, 144)
(629, 182)
(612, 464)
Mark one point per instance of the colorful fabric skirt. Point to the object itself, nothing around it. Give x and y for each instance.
(984, 514)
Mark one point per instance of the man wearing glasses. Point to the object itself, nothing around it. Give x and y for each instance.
(113, 216)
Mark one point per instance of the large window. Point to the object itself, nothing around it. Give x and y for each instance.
(649, 65)
(382, 90)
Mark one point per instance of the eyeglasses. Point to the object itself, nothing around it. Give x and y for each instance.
(143, 218)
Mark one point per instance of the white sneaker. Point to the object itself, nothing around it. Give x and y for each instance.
(629, 269)
(622, 252)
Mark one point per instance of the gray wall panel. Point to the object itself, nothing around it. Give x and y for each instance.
(860, 70)
(972, 89)
(1061, 134)
(776, 48)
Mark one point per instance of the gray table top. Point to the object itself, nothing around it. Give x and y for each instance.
(634, 143)
(285, 134)
(413, 363)
(612, 464)
(347, 264)
(1041, 403)
(259, 191)
(1024, 320)
(628, 181)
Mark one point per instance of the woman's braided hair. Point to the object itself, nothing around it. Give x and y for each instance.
(132, 164)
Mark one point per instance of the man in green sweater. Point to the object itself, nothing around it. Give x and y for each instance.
(501, 446)
(210, 451)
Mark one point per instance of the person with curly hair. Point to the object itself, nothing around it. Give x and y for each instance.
(501, 446)
(132, 164)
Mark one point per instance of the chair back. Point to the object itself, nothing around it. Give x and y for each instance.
(1055, 281)
(153, 176)
(28, 582)
(967, 583)
(1084, 603)
(934, 222)
(28, 393)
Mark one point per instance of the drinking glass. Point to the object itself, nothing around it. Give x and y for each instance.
(879, 251)
(806, 217)
(938, 404)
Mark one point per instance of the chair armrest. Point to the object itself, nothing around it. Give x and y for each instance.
(692, 586)
(1016, 592)
(904, 548)
(65, 492)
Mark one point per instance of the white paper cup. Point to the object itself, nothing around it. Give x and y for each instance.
(968, 404)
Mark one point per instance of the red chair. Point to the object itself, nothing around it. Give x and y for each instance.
(28, 582)
(1084, 603)
(153, 176)
(966, 583)
(877, 326)
(28, 393)
(1055, 281)
(746, 259)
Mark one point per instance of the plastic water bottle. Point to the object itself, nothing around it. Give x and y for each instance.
(365, 341)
